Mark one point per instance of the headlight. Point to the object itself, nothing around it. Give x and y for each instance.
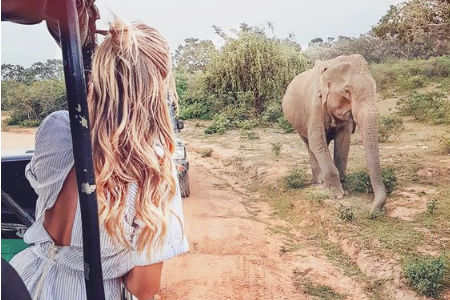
(179, 153)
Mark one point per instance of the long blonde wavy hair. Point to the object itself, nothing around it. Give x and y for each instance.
(129, 115)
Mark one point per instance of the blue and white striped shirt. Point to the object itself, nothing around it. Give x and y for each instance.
(53, 272)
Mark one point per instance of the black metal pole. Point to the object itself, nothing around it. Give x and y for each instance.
(82, 151)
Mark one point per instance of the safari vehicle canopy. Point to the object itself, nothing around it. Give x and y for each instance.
(72, 24)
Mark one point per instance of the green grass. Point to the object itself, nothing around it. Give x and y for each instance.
(296, 178)
(425, 274)
(318, 291)
(401, 76)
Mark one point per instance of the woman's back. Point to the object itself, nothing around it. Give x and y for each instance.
(140, 209)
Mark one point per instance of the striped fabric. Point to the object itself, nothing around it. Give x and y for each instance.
(56, 272)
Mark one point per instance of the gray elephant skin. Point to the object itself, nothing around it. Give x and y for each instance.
(325, 103)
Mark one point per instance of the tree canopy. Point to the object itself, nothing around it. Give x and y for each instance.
(194, 55)
(254, 64)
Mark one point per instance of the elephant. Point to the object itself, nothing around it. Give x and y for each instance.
(326, 103)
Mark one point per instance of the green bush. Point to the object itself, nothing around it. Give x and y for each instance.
(276, 148)
(425, 274)
(272, 113)
(432, 206)
(221, 123)
(359, 182)
(345, 213)
(403, 76)
(249, 135)
(296, 178)
(248, 124)
(389, 126)
(430, 107)
(284, 124)
(30, 103)
(444, 142)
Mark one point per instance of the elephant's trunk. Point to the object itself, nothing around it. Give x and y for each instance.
(367, 119)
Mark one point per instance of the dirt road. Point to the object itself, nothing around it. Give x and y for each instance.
(235, 251)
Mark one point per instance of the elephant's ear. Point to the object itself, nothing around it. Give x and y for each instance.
(324, 91)
(336, 78)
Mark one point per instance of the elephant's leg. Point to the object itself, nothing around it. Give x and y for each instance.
(315, 168)
(319, 147)
(341, 149)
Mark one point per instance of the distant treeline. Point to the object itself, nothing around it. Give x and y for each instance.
(243, 81)
(30, 94)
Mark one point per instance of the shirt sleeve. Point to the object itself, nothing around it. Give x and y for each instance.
(175, 242)
(52, 160)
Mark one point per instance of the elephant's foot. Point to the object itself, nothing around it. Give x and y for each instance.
(317, 182)
(378, 203)
(337, 193)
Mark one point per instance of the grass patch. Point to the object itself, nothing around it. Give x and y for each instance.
(444, 142)
(249, 135)
(319, 291)
(425, 274)
(296, 178)
(284, 125)
(345, 213)
(432, 206)
(359, 182)
(207, 152)
(221, 123)
(276, 148)
(432, 107)
(399, 77)
(5, 127)
(388, 127)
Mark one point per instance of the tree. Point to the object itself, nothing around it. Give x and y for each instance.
(51, 69)
(194, 55)
(16, 73)
(253, 68)
(423, 26)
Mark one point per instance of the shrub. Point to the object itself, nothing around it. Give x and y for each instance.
(207, 152)
(276, 148)
(425, 274)
(30, 104)
(444, 142)
(221, 123)
(403, 76)
(432, 206)
(249, 135)
(322, 292)
(388, 126)
(284, 124)
(426, 107)
(272, 113)
(248, 124)
(345, 213)
(360, 181)
(296, 178)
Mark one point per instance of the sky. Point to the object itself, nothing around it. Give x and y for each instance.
(180, 19)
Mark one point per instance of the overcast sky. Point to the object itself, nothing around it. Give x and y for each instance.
(180, 19)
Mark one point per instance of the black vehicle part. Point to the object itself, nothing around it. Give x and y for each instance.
(81, 139)
(15, 184)
(18, 211)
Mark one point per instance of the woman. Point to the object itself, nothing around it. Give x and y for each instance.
(141, 218)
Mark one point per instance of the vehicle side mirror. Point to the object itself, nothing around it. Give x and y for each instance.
(180, 124)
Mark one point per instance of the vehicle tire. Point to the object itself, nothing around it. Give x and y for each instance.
(184, 186)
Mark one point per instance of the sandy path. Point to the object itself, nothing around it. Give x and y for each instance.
(17, 141)
(232, 256)
(233, 253)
